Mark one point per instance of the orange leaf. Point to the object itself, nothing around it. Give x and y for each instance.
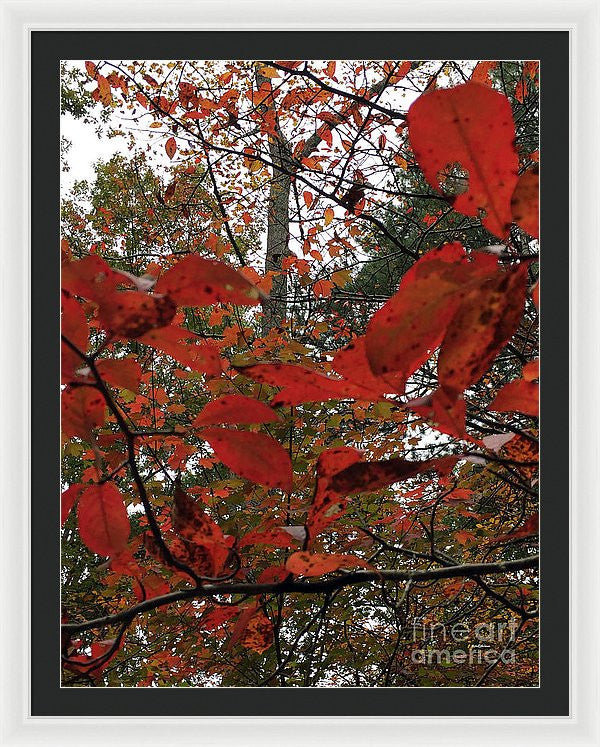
(171, 147)
(525, 202)
(518, 396)
(317, 564)
(200, 356)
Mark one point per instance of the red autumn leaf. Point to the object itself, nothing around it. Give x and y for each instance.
(404, 332)
(74, 327)
(131, 313)
(83, 409)
(171, 147)
(362, 477)
(322, 288)
(191, 521)
(470, 125)
(195, 281)
(200, 559)
(235, 409)
(202, 356)
(317, 564)
(518, 396)
(275, 536)
(255, 456)
(94, 663)
(328, 504)
(68, 499)
(90, 277)
(150, 586)
(216, 617)
(525, 202)
(308, 198)
(352, 363)
(123, 373)
(446, 411)
(300, 384)
(485, 321)
(103, 520)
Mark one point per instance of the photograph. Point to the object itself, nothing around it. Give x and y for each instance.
(299, 377)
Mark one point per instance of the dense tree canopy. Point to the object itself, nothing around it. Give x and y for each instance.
(299, 375)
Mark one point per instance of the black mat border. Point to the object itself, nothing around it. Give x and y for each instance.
(48, 48)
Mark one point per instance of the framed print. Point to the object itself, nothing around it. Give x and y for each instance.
(303, 328)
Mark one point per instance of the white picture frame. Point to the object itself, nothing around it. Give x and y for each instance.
(581, 18)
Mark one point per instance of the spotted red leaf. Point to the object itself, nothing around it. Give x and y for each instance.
(131, 314)
(255, 456)
(317, 564)
(329, 504)
(362, 477)
(83, 409)
(235, 409)
(470, 125)
(103, 520)
(90, 277)
(195, 281)
(404, 332)
(74, 327)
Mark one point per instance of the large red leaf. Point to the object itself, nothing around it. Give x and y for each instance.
(485, 321)
(90, 277)
(352, 363)
(195, 281)
(404, 332)
(131, 313)
(74, 327)
(83, 409)
(317, 564)
(103, 520)
(123, 373)
(328, 504)
(525, 202)
(362, 477)
(200, 356)
(518, 396)
(300, 384)
(235, 409)
(255, 456)
(470, 125)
